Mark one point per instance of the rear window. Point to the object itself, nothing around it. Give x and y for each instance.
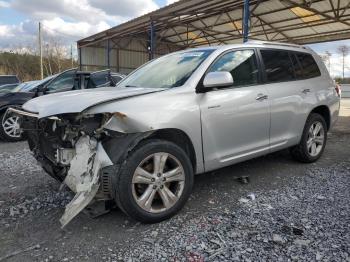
(308, 66)
(8, 80)
(116, 78)
(278, 65)
(98, 79)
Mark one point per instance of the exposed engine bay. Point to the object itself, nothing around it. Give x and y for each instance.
(81, 152)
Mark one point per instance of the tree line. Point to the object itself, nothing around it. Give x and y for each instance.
(27, 65)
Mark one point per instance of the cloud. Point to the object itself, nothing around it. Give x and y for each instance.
(4, 4)
(15, 37)
(168, 2)
(90, 11)
(125, 8)
(68, 20)
(75, 10)
(73, 30)
(337, 66)
(5, 31)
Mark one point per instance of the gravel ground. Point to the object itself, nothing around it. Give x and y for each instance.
(287, 212)
(305, 221)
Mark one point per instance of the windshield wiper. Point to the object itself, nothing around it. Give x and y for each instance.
(130, 86)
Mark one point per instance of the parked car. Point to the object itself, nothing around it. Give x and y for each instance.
(182, 114)
(9, 79)
(66, 81)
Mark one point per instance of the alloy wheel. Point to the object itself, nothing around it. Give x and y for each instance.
(315, 140)
(11, 126)
(158, 182)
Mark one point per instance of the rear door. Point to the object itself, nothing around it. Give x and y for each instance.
(288, 95)
(235, 120)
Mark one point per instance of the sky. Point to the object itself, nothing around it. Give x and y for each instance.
(70, 20)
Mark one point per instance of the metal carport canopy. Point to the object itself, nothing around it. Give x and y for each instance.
(191, 23)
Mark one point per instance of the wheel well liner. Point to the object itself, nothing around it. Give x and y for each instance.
(179, 138)
(325, 113)
(118, 148)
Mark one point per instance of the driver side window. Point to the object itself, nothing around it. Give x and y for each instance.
(63, 82)
(241, 64)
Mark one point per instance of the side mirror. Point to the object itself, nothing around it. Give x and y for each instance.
(40, 89)
(217, 80)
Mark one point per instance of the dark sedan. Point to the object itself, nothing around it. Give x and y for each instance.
(66, 81)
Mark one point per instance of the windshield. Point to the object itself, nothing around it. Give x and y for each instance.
(28, 86)
(23, 86)
(166, 72)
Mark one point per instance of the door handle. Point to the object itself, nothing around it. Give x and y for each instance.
(306, 90)
(261, 97)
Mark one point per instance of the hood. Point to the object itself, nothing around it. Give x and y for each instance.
(78, 101)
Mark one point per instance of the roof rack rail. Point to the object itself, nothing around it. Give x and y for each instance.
(275, 43)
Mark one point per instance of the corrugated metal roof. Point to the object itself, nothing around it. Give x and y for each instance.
(190, 23)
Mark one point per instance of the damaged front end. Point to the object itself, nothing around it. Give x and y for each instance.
(80, 151)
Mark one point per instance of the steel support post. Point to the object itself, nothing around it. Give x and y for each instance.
(246, 19)
(151, 40)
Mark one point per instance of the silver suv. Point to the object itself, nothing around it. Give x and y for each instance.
(182, 114)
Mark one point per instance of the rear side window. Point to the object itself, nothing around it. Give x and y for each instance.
(98, 79)
(309, 66)
(241, 64)
(278, 65)
(116, 79)
(298, 70)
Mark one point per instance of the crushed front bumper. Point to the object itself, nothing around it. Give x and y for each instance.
(84, 175)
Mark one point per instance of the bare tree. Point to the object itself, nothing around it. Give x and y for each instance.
(55, 53)
(343, 50)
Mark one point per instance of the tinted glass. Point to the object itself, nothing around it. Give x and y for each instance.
(100, 78)
(63, 82)
(242, 66)
(116, 79)
(168, 71)
(278, 65)
(298, 70)
(310, 68)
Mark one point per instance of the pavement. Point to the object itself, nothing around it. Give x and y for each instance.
(288, 211)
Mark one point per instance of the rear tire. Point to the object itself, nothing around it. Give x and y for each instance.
(313, 140)
(154, 182)
(8, 131)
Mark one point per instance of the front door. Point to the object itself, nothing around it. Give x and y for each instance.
(235, 120)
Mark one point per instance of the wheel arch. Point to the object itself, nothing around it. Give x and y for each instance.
(118, 147)
(324, 111)
(179, 138)
(5, 107)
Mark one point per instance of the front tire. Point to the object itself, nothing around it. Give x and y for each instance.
(313, 140)
(154, 182)
(9, 128)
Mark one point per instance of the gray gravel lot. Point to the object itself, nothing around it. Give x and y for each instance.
(287, 212)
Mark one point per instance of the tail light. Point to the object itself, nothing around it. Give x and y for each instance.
(338, 90)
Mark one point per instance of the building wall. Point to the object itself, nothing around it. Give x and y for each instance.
(125, 54)
(345, 91)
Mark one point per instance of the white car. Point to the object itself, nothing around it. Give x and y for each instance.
(185, 113)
